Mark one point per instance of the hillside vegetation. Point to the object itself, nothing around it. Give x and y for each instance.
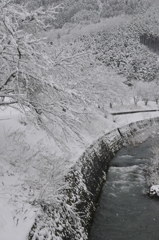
(127, 44)
(90, 11)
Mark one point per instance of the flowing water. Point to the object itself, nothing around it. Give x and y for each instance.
(125, 211)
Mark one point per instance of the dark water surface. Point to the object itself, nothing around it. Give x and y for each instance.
(124, 211)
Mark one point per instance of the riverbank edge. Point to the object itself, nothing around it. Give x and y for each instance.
(84, 184)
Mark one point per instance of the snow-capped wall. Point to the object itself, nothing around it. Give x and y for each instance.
(71, 219)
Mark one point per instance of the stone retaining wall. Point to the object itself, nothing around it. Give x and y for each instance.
(85, 181)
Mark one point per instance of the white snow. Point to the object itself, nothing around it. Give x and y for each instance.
(19, 150)
(16, 215)
(154, 189)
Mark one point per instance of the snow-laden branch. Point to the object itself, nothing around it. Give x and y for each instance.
(8, 103)
(37, 76)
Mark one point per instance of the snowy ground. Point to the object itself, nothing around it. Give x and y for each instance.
(25, 158)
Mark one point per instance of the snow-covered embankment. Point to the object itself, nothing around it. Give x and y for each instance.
(84, 183)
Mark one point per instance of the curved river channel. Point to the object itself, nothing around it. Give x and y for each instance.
(124, 211)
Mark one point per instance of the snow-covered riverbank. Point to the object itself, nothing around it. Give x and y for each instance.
(22, 150)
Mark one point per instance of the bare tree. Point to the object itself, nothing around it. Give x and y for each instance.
(145, 91)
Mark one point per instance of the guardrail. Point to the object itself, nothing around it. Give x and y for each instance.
(136, 111)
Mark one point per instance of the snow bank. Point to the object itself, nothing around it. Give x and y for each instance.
(16, 215)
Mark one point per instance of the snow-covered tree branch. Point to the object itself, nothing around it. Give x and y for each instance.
(33, 73)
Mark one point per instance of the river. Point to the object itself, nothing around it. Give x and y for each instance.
(124, 210)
